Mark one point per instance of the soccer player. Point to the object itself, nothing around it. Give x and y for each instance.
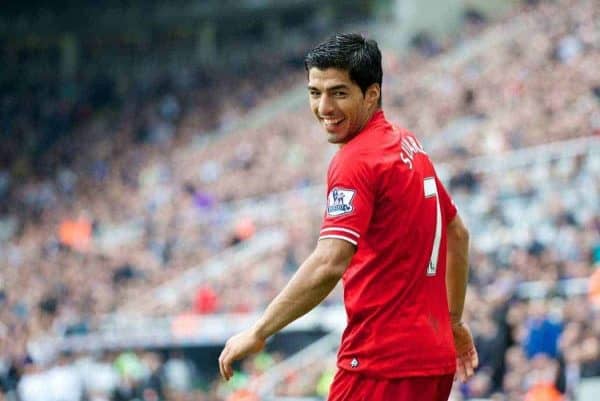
(392, 234)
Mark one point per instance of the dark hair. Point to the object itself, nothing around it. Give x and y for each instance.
(351, 52)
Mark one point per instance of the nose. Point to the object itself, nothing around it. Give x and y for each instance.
(325, 105)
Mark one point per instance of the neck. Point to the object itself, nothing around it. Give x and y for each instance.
(369, 117)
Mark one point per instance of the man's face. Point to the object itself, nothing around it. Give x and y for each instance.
(339, 104)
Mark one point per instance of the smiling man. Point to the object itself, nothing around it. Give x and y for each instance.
(339, 104)
(391, 233)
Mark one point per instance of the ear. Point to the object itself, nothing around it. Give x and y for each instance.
(373, 93)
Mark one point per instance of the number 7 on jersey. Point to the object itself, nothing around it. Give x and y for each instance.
(430, 190)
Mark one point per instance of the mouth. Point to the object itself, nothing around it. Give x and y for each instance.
(331, 123)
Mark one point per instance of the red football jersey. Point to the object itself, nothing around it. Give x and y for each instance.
(384, 196)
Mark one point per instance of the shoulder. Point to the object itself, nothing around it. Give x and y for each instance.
(352, 161)
(352, 175)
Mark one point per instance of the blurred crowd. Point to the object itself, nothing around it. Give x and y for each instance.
(128, 375)
(147, 193)
(104, 200)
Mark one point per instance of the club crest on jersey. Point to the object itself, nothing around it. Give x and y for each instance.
(339, 201)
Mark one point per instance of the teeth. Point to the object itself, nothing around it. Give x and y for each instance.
(331, 122)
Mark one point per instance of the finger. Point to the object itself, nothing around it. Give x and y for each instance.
(461, 370)
(221, 368)
(219, 360)
(466, 361)
(468, 369)
(222, 364)
(470, 361)
(228, 359)
(229, 368)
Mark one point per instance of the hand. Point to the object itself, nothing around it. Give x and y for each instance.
(238, 347)
(467, 359)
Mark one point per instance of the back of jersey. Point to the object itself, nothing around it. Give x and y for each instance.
(395, 289)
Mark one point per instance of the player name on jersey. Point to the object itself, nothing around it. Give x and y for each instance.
(410, 147)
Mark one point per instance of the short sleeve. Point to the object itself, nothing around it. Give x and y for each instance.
(447, 205)
(349, 204)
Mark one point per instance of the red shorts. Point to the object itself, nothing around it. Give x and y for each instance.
(348, 386)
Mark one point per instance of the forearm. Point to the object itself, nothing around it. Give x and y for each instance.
(457, 272)
(308, 287)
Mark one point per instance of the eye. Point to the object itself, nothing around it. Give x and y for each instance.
(314, 93)
(339, 94)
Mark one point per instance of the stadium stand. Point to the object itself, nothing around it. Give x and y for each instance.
(160, 229)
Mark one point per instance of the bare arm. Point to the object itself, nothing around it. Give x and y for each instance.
(313, 281)
(457, 276)
(457, 271)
